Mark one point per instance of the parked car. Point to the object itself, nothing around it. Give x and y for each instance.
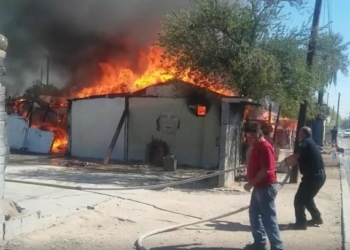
(346, 133)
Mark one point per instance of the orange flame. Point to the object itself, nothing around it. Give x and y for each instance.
(117, 77)
(60, 140)
(288, 124)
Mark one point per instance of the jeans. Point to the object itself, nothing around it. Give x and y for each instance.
(304, 198)
(263, 217)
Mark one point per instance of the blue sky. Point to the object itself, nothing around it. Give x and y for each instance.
(338, 10)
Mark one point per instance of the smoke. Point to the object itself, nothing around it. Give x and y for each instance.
(76, 35)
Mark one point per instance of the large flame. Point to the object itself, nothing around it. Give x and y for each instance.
(117, 77)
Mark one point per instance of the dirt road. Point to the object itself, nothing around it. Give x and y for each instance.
(117, 224)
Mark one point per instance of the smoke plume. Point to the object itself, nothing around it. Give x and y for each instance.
(76, 35)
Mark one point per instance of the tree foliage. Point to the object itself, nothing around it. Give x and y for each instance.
(331, 57)
(39, 88)
(248, 48)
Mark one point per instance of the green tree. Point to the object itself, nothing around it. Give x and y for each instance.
(331, 57)
(245, 47)
(39, 88)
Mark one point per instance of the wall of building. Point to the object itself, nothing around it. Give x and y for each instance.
(21, 136)
(230, 142)
(92, 125)
(193, 140)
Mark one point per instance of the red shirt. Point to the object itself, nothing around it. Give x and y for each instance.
(262, 156)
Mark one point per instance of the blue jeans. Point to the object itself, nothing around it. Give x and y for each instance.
(263, 217)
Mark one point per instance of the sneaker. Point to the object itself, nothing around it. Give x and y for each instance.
(298, 226)
(255, 247)
(315, 221)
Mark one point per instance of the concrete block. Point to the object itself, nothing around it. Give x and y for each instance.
(21, 225)
(12, 228)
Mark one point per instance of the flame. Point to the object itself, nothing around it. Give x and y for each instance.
(60, 140)
(21, 107)
(288, 124)
(117, 77)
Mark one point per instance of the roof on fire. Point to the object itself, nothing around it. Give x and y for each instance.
(170, 89)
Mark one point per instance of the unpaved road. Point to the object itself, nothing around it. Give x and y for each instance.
(117, 224)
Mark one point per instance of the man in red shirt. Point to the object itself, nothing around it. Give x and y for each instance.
(262, 178)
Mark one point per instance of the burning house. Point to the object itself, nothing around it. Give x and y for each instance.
(117, 86)
(200, 127)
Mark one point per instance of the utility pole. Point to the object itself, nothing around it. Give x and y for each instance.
(48, 71)
(41, 75)
(309, 61)
(332, 117)
(336, 121)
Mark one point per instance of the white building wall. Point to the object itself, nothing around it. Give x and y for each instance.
(194, 142)
(17, 128)
(93, 124)
(21, 136)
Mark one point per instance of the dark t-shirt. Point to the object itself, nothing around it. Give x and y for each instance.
(262, 156)
(334, 133)
(310, 158)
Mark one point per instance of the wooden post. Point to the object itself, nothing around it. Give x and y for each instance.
(47, 70)
(337, 119)
(277, 121)
(116, 135)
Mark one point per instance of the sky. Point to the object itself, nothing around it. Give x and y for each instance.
(338, 10)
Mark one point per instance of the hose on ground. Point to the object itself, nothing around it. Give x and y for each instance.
(145, 187)
(139, 242)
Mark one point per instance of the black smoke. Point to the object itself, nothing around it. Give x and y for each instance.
(76, 35)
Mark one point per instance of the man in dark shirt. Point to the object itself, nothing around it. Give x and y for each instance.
(262, 178)
(311, 167)
(334, 133)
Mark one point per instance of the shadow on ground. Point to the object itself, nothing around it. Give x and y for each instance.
(61, 170)
(192, 247)
(223, 226)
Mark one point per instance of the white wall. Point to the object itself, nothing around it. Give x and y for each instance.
(17, 128)
(193, 144)
(20, 135)
(93, 124)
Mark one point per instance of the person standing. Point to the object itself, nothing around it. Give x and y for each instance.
(311, 167)
(262, 179)
(334, 136)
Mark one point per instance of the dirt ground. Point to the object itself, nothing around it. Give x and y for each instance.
(118, 223)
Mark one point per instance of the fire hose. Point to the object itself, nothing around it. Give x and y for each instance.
(139, 241)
